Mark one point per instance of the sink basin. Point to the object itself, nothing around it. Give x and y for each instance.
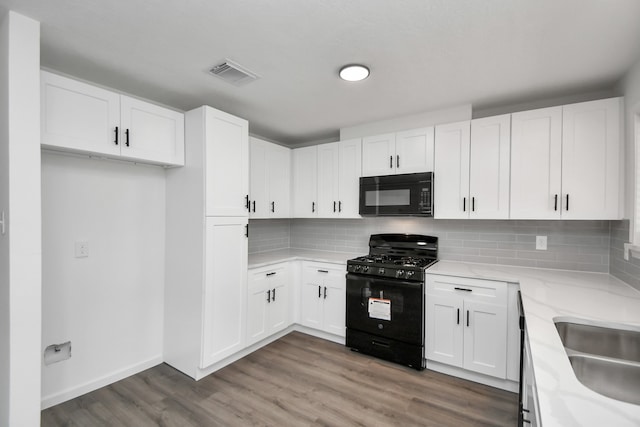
(616, 379)
(601, 341)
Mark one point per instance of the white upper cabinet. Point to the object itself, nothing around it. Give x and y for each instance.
(451, 174)
(339, 166)
(305, 182)
(471, 178)
(592, 166)
(226, 140)
(397, 153)
(79, 117)
(536, 160)
(567, 162)
(270, 176)
(489, 167)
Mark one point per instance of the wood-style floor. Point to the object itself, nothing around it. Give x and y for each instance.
(298, 380)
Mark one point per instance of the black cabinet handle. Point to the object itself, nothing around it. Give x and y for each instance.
(325, 292)
(319, 291)
(390, 162)
(555, 203)
(464, 204)
(398, 162)
(567, 202)
(268, 296)
(334, 205)
(254, 206)
(467, 318)
(246, 230)
(313, 207)
(273, 206)
(473, 204)
(126, 133)
(458, 317)
(339, 206)
(463, 289)
(273, 295)
(116, 140)
(380, 344)
(273, 273)
(323, 271)
(247, 203)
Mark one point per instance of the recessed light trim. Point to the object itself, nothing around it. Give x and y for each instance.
(354, 72)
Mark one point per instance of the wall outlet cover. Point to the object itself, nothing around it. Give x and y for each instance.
(541, 243)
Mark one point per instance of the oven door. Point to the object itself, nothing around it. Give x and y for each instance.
(385, 307)
(407, 194)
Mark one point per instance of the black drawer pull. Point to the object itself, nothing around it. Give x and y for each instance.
(271, 274)
(463, 289)
(323, 271)
(380, 344)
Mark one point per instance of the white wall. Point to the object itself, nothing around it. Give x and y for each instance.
(110, 304)
(429, 118)
(20, 249)
(630, 88)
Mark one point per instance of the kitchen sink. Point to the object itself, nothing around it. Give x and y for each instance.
(619, 380)
(601, 341)
(604, 359)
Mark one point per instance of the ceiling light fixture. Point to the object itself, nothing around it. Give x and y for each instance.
(354, 72)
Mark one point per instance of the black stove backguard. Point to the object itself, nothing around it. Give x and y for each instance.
(385, 315)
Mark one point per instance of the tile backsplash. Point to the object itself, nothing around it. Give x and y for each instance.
(628, 271)
(572, 245)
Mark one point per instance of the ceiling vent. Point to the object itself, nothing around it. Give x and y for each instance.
(233, 73)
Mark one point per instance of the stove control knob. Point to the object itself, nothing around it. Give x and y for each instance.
(410, 274)
(357, 268)
(381, 271)
(365, 268)
(399, 273)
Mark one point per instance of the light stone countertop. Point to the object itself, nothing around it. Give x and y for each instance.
(262, 259)
(553, 294)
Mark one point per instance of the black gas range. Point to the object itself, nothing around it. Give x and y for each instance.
(385, 297)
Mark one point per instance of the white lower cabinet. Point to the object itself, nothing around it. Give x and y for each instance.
(267, 301)
(467, 324)
(323, 299)
(530, 406)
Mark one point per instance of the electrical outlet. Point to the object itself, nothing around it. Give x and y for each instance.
(541, 243)
(82, 249)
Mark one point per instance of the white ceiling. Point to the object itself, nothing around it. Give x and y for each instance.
(424, 54)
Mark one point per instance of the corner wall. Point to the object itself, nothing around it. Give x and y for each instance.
(20, 246)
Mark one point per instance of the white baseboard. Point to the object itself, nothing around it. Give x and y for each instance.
(73, 392)
(507, 385)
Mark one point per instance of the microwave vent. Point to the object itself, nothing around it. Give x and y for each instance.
(233, 73)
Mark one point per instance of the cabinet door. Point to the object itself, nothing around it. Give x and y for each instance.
(451, 175)
(489, 167)
(349, 172)
(378, 155)
(328, 170)
(334, 300)
(257, 307)
(278, 178)
(79, 116)
(151, 132)
(224, 288)
(305, 179)
(227, 164)
(414, 150)
(444, 329)
(258, 193)
(485, 338)
(311, 303)
(279, 301)
(536, 150)
(591, 161)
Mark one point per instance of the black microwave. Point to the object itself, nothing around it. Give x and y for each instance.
(408, 194)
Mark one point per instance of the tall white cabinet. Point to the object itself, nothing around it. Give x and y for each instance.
(206, 250)
(304, 185)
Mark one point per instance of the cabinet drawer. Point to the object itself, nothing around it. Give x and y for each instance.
(488, 291)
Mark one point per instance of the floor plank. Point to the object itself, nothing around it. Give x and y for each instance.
(298, 380)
